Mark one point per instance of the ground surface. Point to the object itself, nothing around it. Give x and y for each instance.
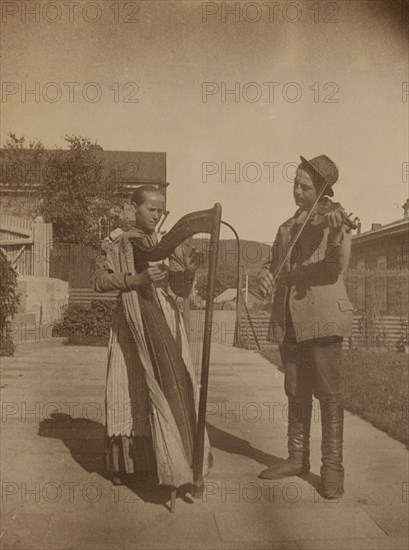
(55, 495)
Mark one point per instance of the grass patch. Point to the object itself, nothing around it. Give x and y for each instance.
(375, 387)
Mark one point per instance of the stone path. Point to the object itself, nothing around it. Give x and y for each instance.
(55, 495)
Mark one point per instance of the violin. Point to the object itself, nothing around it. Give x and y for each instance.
(326, 206)
(316, 216)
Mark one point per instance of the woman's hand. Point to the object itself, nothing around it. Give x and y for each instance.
(192, 259)
(151, 275)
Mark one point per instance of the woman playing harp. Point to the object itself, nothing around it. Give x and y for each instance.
(151, 391)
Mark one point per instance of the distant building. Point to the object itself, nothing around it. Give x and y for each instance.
(377, 279)
(384, 246)
(227, 298)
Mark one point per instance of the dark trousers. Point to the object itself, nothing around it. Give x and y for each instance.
(311, 368)
(314, 368)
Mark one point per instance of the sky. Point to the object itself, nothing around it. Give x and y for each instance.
(309, 78)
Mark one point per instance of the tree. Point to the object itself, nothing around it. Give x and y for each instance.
(226, 277)
(82, 201)
(21, 172)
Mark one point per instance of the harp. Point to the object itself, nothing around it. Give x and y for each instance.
(191, 226)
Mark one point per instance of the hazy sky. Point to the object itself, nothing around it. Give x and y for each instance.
(339, 70)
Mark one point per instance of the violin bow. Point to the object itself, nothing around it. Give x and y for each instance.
(294, 241)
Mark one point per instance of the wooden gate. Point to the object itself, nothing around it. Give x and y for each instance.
(26, 244)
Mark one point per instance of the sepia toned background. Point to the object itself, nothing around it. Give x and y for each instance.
(232, 92)
(212, 102)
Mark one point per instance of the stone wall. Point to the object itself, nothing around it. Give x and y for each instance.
(43, 296)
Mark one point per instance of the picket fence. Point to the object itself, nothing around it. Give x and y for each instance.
(383, 332)
(84, 296)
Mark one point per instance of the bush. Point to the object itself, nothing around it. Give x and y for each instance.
(8, 304)
(87, 324)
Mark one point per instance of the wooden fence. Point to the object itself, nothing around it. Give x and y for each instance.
(381, 332)
(26, 244)
(377, 332)
(86, 295)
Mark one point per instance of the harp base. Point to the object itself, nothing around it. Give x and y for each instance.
(197, 489)
(173, 501)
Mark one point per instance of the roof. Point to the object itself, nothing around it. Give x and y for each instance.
(394, 228)
(136, 166)
(227, 295)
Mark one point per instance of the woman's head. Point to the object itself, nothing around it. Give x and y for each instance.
(140, 193)
(148, 204)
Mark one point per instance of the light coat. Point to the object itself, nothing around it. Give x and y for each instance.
(312, 282)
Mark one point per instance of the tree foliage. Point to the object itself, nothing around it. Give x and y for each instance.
(70, 188)
(226, 277)
(80, 199)
(21, 164)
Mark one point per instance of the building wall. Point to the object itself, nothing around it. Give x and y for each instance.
(388, 252)
(43, 296)
(74, 263)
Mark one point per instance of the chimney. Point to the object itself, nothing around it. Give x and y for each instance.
(376, 226)
(406, 209)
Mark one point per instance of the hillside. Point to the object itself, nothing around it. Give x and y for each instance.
(253, 255)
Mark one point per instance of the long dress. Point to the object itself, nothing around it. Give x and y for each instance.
(151, 388)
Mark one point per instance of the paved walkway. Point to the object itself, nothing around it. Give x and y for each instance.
(55, 495)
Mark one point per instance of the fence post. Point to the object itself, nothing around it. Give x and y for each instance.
(239, 307)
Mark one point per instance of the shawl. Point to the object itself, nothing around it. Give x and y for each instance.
(167, 367)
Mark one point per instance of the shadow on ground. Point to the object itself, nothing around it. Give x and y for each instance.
(229, 443)
(85, 439)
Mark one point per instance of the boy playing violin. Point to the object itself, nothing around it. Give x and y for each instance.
(311, 315)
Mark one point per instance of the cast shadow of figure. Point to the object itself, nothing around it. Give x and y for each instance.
(229, 443)
(85, 439)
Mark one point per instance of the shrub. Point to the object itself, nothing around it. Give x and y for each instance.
(8, 304)
(87, 324)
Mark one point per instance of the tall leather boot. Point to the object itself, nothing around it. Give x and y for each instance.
(298, 461)
(332, 471)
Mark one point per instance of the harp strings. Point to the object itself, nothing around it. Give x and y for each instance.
(198, 300)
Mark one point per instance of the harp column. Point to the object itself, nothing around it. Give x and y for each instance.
(198, 454)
